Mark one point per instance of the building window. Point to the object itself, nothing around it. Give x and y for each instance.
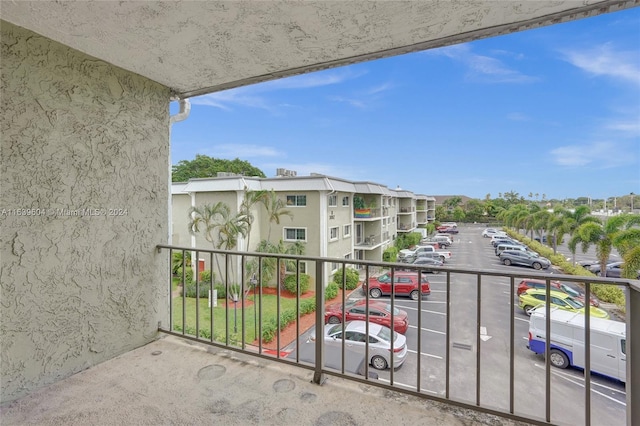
(347, 256)
(346, 231)
(334, 266)
(333, 201)
(345, 201)
(291, 267)
(333, 233)
(295, 234)
(296, 200)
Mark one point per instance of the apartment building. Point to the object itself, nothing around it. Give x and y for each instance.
(331, 217)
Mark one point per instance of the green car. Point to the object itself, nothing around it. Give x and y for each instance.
(532, 298)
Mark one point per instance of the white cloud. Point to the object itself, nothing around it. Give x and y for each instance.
(253, 96)
(604, 60)
(599, 155)
(243, 151)
(484, 68)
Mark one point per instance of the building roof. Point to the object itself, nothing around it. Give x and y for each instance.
(196, 47)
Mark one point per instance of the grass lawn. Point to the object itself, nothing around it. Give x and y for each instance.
(226, 315)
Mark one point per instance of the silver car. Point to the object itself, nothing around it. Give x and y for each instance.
(524, 258)
(355, 338)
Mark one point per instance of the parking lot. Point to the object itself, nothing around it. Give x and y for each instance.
(488, 353)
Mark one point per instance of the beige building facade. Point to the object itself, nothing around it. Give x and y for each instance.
(322, 216)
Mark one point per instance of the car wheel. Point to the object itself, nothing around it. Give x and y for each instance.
(506, 262)
(415, 295)
(442, 259)
(334, 320)
(375, 293)
(536, 265)
(558, 359)
(527, 310)
(379, 363)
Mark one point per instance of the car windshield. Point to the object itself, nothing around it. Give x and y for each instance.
(384, 278)
(396, 311)
(335, 329)
(385, 334)
(574, 303)
(570, 291)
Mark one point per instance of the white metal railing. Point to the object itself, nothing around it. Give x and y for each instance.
(252, 324)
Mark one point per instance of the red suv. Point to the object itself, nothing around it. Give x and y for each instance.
(555, 285)
(404, 284)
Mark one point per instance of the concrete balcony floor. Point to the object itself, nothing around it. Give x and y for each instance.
(174, 381)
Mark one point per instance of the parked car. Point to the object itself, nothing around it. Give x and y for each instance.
(528, 283)
(355, 336)
(524, 258)
(425, 260)
(533, 298)
(379, 313)
(448, 230)
(510, 246)
(613, 270)
(405, 283)
(488, 232)
(501, 239)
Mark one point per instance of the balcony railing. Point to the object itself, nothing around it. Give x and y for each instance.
(452, 358)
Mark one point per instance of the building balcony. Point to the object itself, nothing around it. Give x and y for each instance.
(368, 243)
(253, 359)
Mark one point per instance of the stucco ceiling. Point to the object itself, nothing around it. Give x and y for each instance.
(197, 47)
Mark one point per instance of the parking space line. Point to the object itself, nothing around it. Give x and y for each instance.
(424, 354)
(428, 329)
(424, 310)
(576, 382)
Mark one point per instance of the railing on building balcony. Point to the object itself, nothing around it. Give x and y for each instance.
(369, 241)
(449, 355)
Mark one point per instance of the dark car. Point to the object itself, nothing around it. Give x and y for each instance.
(451, 230)
(613, 270)
(524, 258)
(425, 260)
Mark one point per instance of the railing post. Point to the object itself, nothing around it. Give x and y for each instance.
(318, 377)
(633, 354)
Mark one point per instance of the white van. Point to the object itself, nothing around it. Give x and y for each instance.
(608, 342)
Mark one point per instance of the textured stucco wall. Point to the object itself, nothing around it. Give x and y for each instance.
(77, 287)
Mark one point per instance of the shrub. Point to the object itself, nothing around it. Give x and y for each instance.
(352, 278)
(308, 305)
(203, 289)
(291, 284)
(390, 255)
(205, 276)
(331, 292)
(188, 274)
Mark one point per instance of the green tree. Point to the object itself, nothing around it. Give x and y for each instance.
(574, 219)
(276, 209)
(618, 230)
(219, 227)
(204, 166)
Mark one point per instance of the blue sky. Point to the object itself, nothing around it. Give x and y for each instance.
(553, 111)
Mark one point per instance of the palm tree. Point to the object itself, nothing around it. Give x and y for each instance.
(603, 235)
(579, 216)
(628, 244)
(251, 198)
(220, 228)
(229, 229)
(275, 209)
(271, 264)
(558, 226)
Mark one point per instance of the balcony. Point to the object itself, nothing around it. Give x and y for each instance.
(220, 363)
(368, 243)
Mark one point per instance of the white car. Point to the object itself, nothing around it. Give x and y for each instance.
(355, 341)
(490, 232)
